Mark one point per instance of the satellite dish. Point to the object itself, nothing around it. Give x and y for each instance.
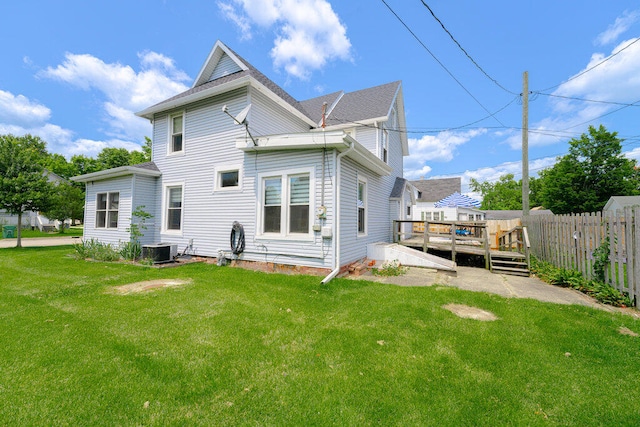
(242, 116)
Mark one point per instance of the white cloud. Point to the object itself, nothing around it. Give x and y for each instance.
(436, 148)
(621, 25)
(493, 173)
(21, 110)
(309, 33)
(616, 80)
(125, 91)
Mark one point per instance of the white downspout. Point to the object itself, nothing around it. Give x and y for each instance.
(336, 208)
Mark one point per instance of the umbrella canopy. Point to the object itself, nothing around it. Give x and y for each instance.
(457, 200)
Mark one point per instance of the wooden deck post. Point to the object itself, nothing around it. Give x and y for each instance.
(425, 244)
(453, 242)
(395, 231)
(487, 249)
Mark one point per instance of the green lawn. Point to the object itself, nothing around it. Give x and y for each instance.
(237, 347)
(72, 231)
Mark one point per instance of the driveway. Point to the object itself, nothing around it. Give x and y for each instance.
(482, 280)
(40, 241)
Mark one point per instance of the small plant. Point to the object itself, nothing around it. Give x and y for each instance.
(601, 259)
(97, 250)
(390, 268)
(132, 250)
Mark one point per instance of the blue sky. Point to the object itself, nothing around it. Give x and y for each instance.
(74, 72)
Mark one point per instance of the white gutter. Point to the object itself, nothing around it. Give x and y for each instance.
(336, 222)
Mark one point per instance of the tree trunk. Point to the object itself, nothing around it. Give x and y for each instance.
(19, 231)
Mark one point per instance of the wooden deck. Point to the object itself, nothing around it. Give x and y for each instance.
(470, 238)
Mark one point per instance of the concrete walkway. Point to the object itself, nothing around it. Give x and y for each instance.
(481, 280)
(31, 242)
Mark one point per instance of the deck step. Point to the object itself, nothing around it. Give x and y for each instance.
(511, 270)
(513, 263)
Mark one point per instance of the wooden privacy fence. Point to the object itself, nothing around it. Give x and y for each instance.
(569, 241)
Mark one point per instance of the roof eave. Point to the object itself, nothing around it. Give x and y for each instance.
(197, 96)
(115, 173)
(316, 140)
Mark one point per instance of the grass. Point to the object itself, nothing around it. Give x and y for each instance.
(238, 347)
(72, 231)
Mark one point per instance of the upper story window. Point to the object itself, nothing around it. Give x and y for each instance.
(176, 132)
(107, 205)
(385, 146)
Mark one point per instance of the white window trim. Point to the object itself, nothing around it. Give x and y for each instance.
(384, 146)
(165, 207)
(106, 211)
(362, 179)
(170, 152)
(217, 184)
(284, 218)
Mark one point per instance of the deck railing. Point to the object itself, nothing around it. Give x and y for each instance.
(454, 233)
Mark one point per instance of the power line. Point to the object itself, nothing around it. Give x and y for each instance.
(588, 100)
(440, 62)
(591, 68)
(465, 52)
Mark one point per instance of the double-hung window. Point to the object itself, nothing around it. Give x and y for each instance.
(385, 146)
(176, 125)
(174, 208)
(107, 205)
(286, 201)
(362, 206)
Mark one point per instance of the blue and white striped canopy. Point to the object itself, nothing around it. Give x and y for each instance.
(457, 200)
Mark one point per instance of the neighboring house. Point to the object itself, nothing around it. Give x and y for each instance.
(616, 203)
(34, 219)
(312, 183)
(458, 207)
(432, 191)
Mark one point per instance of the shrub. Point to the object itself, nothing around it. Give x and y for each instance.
(599, 290)
(390, 268)
(94, 249)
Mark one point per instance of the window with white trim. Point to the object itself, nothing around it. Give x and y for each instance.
(173, 205)
(385, 146)
(362, 206)
(228, 178)
(286, 204)
(176, 132)
(107, 205)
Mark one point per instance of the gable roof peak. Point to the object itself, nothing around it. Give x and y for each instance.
(218, 51)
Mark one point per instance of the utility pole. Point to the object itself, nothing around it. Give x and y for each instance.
(525, 144)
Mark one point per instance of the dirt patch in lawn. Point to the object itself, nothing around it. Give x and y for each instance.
(626, 331)
(467, 312)
(147, 286)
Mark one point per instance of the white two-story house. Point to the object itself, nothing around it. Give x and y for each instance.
(311, 182)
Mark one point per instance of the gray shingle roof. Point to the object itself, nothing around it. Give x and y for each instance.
(370, 103)
(398, 188)
(364, 104)
(435, 189)
(147, 166)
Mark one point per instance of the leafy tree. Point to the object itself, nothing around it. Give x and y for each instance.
(146, 149)
(113, 157)
(66, 202)
(23, 183)
(506, 193)
(594, 170)
(83, 164)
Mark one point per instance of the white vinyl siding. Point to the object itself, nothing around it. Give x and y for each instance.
(113, 235)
